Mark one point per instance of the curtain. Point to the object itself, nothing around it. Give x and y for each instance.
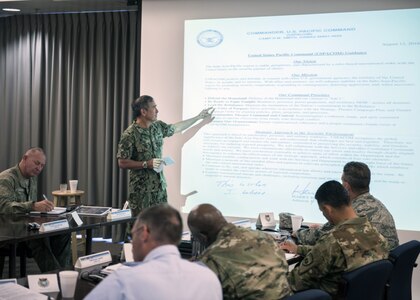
(66, 84)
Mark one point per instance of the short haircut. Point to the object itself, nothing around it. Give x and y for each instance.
(332, 193)
(357, 174)
(139, 103)
(164, 223)
(34, 149)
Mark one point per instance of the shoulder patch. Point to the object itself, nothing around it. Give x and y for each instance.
(308, 260)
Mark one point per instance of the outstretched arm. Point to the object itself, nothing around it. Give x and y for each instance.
(205, 113)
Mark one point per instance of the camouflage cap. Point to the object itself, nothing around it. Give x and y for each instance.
(285, 221)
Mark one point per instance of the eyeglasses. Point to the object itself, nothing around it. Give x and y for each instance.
(137, 229)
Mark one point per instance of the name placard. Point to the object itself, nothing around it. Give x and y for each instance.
(43, 283)
(266, 221)
(127, 252)
(93, 261)
(54, 225)
(76, 218)
(119, 214)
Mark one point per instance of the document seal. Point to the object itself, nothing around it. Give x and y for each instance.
(43, 282)
(209, 38)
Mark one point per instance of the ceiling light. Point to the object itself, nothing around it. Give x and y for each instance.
(11, 9)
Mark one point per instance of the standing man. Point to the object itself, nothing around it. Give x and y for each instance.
(249, 264)
(352, 243)
(18, 194)
(140, 151)
(158, 272)
(356, 180)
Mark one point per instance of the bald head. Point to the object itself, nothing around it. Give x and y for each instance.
(32, 162)
(205, 222)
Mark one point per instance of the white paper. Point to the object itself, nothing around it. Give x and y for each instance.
(56, 211)
(10, 291)
(290, 255)
(166, 161)
(108, 270)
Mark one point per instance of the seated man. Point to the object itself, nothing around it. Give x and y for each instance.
(356, 180)
(352, 243)
(158, 272)
(249, 263)
(18, 194)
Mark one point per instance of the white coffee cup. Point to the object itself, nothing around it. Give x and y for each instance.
(73, 185)
(68, 281)
(296, 222)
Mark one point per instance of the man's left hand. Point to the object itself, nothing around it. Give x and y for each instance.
(205, 113)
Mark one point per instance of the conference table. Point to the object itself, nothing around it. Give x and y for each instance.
(14, 230)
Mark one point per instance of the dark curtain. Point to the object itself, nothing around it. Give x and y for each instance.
(66, 84)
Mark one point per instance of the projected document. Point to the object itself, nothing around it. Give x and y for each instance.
(297, 97)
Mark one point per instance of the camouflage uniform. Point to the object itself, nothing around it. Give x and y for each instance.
(364, 205)
(17, 195)
(349, 245)
(249, 264)
(146, 187)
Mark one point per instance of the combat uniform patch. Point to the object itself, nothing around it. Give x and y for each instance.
(308, 260)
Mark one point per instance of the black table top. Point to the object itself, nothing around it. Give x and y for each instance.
(14, 228)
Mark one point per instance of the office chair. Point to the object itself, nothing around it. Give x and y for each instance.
(312, 294)
(367, 282)
(404, 259)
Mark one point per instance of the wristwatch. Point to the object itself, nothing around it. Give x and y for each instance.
(144, 165)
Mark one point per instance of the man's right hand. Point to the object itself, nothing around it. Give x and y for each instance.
(43, 206)
(156, 163)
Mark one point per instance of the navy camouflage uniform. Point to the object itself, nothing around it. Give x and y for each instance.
(249, 264)
(349, 245)
(17, 195)
(364, 205)
(146, 187)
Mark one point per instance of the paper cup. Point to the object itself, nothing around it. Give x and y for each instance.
(73, 185)
(68, 281)
(296, 222)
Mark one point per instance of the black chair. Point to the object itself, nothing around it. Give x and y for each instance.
(22, 251)
(404, 260)
(312, 294)
(367, 282)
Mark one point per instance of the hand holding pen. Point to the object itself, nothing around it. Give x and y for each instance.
(43, 205)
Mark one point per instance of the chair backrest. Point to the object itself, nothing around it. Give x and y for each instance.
(404, 259)
(313, 294)
(367, 282)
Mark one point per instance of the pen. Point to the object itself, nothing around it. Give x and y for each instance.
(45, 197)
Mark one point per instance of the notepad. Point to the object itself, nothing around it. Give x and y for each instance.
(55, 211)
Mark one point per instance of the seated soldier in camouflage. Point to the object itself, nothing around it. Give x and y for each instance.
(352, 243)
(356, 180)
(249, 264)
